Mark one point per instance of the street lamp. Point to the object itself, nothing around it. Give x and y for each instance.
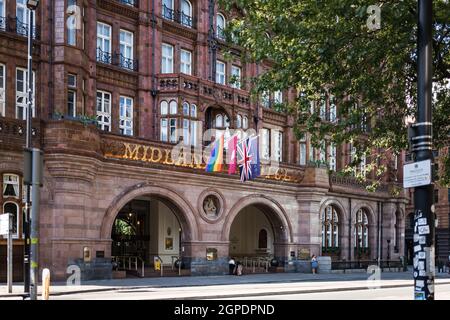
(30, 156)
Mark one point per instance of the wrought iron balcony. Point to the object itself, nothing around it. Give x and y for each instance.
(104, 57)
(3, 23)
(177, 16)
(126, 63)
(220, 33)
(133, 3)
(22, 29)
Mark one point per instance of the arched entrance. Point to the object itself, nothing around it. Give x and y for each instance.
(148, 221)
(147, 227)
(258, 232)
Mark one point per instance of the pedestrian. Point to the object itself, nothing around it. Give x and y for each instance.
(231, 265)
(314, 264)
(239, 268)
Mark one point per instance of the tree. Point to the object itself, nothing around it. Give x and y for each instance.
(326, 47)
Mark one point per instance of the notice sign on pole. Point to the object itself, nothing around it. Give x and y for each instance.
(4, 224)
(417, 174)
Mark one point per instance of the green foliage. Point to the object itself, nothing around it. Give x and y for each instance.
(319, 46)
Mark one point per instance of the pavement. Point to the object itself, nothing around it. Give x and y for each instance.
(261, 284)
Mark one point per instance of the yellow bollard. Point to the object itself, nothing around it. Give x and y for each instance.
(45, 284)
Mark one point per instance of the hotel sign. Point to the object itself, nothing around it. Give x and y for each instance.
(183, 157)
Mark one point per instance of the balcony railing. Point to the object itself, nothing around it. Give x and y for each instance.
(22, 29)
(126, 63)
(103, 56)
(177, 16)
(133, 3)
(3, 23)
(117, 59)
(220, 33)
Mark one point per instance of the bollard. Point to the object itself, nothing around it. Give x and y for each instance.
(45, 284)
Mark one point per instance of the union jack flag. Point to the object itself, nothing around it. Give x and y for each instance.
(245, 159)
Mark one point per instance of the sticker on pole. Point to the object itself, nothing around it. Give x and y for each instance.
(417, 174)
(4, 224)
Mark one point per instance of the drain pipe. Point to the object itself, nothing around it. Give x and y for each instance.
(154, 90)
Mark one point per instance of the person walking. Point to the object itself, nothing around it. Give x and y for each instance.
(314, 264)
(231, 265)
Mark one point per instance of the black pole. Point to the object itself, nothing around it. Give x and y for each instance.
(422, 146)
(27, 161)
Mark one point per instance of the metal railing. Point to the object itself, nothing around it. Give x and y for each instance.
(125, 62)
(251, 263)
(3, 23)
(22, 29)
(103, 56)
(220, 33)
(133, 3)
(364, 264)
(177, 16)
(130, 263)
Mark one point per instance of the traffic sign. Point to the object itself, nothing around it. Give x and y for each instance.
(417, 174)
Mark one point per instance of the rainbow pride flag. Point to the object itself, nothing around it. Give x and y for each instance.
(215, 161)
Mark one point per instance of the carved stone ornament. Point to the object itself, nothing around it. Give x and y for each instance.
(211, 206)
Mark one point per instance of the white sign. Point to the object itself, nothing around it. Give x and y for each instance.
(417, 174)
(4, 224)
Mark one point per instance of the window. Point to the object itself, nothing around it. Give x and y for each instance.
(238, 121)
(312, 152)
(22, 17)
(164, 108)
(186, 13)
(219, 121)
(173, 107)
(265, 99)
(173, 130)
(186, 62)
(167, 59)
(164, 136)
(193, 111)
(168, 9)
(323, 108)
(236, 77)
(104, 110)
(436, 195)
(278, 97)
(265, 144)
(104, 43)
(13, 208)
(302, 155)
(71, 24)
(361, 231)
(186, 109)
(220, 24)
(22, 94)
(277, 145)
(11, 185)
(332, 157)
(245, 122)
(262, 239)
(2, 15)
(220, 72)
(333, 110)
(72, 95)
(2, 88)
(323, 152)
(126, 116)
(330, 228)
(126, 49)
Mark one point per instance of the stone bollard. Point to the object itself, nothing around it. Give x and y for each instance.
(324, 264)
(45, 284)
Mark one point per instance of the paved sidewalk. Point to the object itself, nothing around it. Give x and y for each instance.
(332, 281)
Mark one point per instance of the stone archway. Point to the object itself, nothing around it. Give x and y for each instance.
(274, 220)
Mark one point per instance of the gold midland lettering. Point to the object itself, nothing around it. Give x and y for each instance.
(155, 155)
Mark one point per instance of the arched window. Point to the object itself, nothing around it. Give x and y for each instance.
(220, 24)
(186, 109)
(193, 111)
(262, 239)
(238, 121)
(226, 121)
(164, 108)
(361, 232)
(13, 208)
(186, 13)
(245, 122)
(219, 121)
(173, 107)
(330, 227)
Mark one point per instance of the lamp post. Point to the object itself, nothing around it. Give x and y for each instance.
(422, 146)
(28, 154)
